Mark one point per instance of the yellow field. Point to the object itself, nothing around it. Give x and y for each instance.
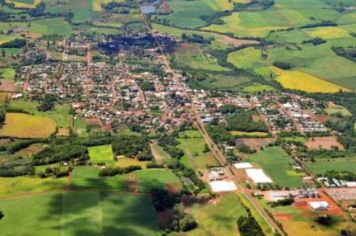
(126, 162)
(24, 5)
(305, 82)
(20, 185)
(327, 32)
(26, 126)
(248, 134)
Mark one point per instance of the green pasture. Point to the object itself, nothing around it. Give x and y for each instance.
(320, 166)
(7, 73)
(276, 163)
(101, 154)
(193, 145)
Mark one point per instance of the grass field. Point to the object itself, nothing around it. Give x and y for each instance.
(276, 163)
(7, 38)
(320, 166)
(26, 126)
(79, 213)
(336, 109)
(126, 162)
(193, 56)
(7, 73)
(101, 154)
(219, 218)
(157, 179)
(88, 178)
(255, 88)
(249, 134)
(193, 145)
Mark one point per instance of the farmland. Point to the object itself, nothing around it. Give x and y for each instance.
(276, 163)
(73, 212)
(27, 126)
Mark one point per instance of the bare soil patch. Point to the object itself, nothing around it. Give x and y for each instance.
(236, 42)
(323, 143)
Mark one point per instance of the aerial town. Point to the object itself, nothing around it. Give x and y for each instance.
(165, 129)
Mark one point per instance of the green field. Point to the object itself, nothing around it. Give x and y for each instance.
(7, 73)
(193, 145)
(320, 166)
(276, 163)
(219, 218)
(186, 14)
(79, 213)
(101, 154)
(156, 179)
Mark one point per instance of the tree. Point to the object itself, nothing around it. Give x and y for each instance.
(1, 215)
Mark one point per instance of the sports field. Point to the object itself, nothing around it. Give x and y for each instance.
(276, 163)
(101, 154)
(21, 125)
(79, 213)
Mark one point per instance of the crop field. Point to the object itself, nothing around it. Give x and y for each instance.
(186, 14)
(78, 213)
(320, 166)
(60, 113)
(324, 143)
(298, 80)
(255, 88)
(101, 154)
(218, 218)
(49, 27)
(126, 162)
(157, 179)
(327, 32)
(26, 126)
(247, 58)
(276, 163)
(17, 186)
(193, 145)
(336, 109)
(7, 38)
(249, 134)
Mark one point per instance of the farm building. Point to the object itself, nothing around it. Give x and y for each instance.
(243, 165)
(222, 186)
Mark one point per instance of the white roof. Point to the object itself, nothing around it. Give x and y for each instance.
(243, 165)
(258, 176)
(319, 205)
(222, 186)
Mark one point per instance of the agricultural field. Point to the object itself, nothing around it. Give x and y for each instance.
(7, 73)
(195, 155)
(60, 113)
(320, 166)
(277, 164)
(101, 154)
(249, 134)
(21, 125)
(336, 109)
(186, 14)
(95, 213)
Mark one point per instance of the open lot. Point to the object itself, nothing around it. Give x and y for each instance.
(323, 143)
(276, 163)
